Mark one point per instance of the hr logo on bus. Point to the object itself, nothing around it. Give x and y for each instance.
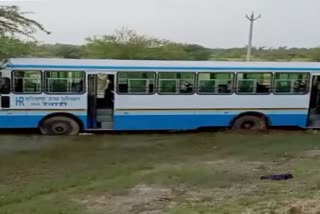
(19, 101)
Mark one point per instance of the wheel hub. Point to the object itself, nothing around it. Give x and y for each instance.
(248, 125)
(59, 125)
(59, 128)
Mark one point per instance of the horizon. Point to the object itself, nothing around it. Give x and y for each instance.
(166, 19)
(222, 48)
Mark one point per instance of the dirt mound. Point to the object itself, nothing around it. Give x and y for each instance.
(141, 199)
(312, 153)
(303, 207)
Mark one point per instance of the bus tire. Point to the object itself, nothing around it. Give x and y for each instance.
(59, 125)
(250, 122)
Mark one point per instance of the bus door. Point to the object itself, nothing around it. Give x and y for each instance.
(314, 105)
(315, 95)
(92, 101)
(100, 101)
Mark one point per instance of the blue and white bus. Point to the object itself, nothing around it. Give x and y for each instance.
(68, 96)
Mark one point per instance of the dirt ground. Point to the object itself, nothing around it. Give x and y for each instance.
(160, 173)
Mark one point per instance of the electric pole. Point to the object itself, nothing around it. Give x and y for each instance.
(252, 19)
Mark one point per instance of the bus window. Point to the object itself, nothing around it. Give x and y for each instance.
(68, 82)
(136, 82)
(27, 81)
(215, 83)
(291, 83)
(176, 83)
(254, 83)
(4, 85)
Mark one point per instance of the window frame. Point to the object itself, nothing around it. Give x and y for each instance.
(136, 93)
(20, 93)
(194, 83)
(10, 86)
(308, 83)
(208, 93)
(45, 73)
(254, 72)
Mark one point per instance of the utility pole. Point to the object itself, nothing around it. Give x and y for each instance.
(252, 19)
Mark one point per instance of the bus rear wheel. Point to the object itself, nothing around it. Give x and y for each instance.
(59, 125)
(250, 123)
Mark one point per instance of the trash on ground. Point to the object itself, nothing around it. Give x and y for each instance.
(277, 177)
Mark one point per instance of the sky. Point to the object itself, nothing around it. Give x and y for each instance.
(211, 23)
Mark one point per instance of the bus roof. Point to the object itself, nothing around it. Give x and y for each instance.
(153, 65)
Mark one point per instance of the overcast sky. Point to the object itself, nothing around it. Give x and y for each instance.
(212, 23)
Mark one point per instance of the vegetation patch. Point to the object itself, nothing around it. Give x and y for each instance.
(159, 173)
(301, 206)
(140, 199)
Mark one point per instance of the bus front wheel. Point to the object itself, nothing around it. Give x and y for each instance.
(59, 125)
(250, 123)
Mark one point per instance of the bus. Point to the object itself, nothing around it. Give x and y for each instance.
(70, 96)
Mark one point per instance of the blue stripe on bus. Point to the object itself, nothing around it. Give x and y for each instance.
(27, 121)
(159, 122)
(206, 112)
(189, 122)
(157, 67)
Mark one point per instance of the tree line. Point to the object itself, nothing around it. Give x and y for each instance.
(126, 44)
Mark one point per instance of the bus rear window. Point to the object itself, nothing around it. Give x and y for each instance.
(67, 82)
(176, 83)
(136, 83)
(27, 81)
(254, 83)
(291, 83)
(215, 83)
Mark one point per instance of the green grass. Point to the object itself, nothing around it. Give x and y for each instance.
(171, 173)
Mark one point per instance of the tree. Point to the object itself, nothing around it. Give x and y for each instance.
(58, 50)
(197, 52)
(11, 47)
(314, 54)
(127, 44)
(13, 22)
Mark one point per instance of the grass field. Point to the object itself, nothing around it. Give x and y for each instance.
(160, 173)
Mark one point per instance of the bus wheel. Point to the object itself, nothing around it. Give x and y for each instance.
(59, 125)
(250, 123)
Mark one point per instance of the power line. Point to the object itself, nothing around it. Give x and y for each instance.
(252, 19)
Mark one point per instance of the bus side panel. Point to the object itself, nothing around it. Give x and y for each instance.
(169, 122)
(17, 120)
(180, 112)
(23, 119)
(26, 111)
(299, 120)
(193, 120)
